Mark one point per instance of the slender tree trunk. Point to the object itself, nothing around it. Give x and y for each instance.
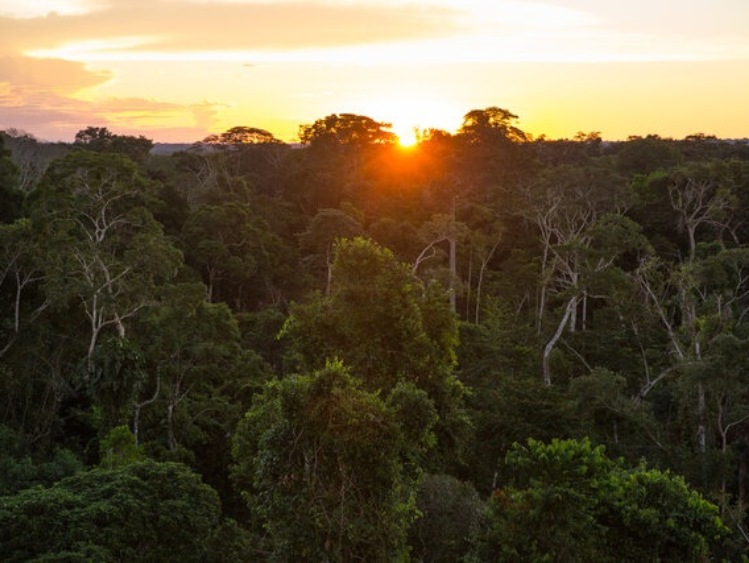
(585, 310)
(480, 282)
(554, 339)
(701, 426)
(138, 406)
(470, 281)
(573, 313)
(120, 325)
(661, 313)
(453, 259)
(171, 440)
(95, 328)
(329, 273)
(692, 244)
(17, 315)
(453, 273)
(542, 290)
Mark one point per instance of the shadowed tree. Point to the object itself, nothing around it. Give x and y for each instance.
(346, 129)
(101, 139)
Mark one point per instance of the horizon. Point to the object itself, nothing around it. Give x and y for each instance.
(17, 131)
(176, 71)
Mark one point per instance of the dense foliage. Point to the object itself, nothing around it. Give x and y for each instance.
(484, 347)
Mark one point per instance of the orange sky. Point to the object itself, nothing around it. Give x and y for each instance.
(177, 70)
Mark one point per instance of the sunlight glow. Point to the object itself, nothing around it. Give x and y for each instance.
(112, 49)
(558, 64)
(407, 138)
(24, 9)
(411, 112)
(549, 47)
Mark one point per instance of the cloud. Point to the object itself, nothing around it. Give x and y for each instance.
(175, 26)
(39, 96)
(64, 77)
(145, 64)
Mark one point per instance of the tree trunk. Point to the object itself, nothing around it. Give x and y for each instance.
(453, 259)
(329, 273)
(480, 282)
(585, 310)
(138, 406)
(470, 281)
(542, 290)
(453, 273)
(701, 430)
(554, 339)
(171, 440)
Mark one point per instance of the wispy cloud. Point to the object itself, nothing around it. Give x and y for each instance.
(67, 63)
(361, 32)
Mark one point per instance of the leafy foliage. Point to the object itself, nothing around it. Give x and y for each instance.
(332, 458)
(142, 511)
(566, 501)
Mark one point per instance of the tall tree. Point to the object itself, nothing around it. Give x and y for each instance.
(578, 215)
(106, 251)
(327, 466)
(101, 139)
(388, 327)
(346, 129)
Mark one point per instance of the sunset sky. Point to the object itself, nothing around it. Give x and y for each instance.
(178, 70)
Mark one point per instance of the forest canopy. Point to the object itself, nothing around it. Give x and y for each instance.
(487, 347)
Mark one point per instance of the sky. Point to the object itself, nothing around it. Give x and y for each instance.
(179, 70)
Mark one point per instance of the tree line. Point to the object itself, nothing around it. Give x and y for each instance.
(486, 347)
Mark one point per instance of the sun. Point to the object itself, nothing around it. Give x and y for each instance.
(408, 114)
(407, 136)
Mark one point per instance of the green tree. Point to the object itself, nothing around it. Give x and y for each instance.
(21, 271)
(494, 154)
(449, 513)
(22, 468)
(233, 249)
(104, 249)
(578, 216)
(388, 326)
(200, 377)
(327, 226)
(248, 152)
(645, 155)
(567, 501)
(143, 511)
(118, 448)
(327, 466)
(102, 140)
